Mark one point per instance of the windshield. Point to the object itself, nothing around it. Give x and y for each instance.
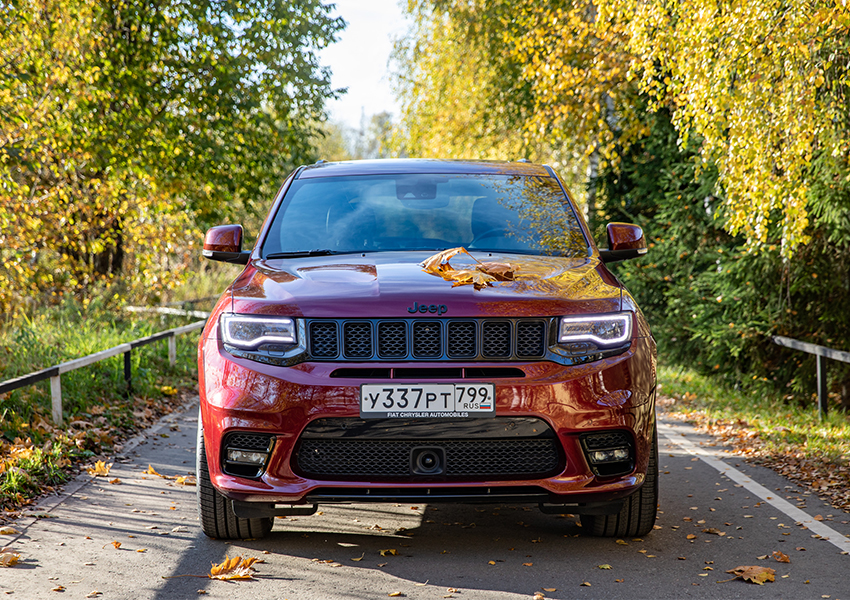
(501, 213)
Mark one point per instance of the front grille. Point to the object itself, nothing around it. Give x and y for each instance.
(431, 339)
(607, 439)
(497, 339)
(427, 338)
(244, 440)
(462, 339)
(529, 338)
(324, 341)
(392, 339)
(498, 448)
(358, 340)
(328, 458)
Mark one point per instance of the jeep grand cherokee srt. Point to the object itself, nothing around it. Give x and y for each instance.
(426, 331)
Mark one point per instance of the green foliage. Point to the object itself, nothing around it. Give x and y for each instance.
(128, 126)
(782, 427)
(713, 304)
(55, 335)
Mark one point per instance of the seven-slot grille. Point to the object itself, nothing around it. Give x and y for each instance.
(432, 339)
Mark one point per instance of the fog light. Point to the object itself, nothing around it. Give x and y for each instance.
(608, 455)
(245, 457)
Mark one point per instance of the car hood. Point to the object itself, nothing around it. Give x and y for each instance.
(394, 284)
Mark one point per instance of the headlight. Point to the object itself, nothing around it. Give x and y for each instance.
(249, 331)
(602, 330)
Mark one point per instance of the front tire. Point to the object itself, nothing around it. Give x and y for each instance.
(637, 517)
(214, 510)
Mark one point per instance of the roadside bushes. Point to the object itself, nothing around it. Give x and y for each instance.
(713, 304)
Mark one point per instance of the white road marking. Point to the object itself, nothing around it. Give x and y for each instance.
(816, 527)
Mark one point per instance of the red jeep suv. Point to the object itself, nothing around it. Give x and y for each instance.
(426, 331)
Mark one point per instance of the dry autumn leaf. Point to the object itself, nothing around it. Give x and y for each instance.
(758, 575)
(9, 559)
(359, 559)
(389, 552)
(500, 271)
(115, 481)
(585, 584)
(781, 557)
(395, 595)
(8, 531)
(527, 564)
(186, 480)
(100, 469)
(550, 589)
(233, 568)
(472, 277)
(605, 567)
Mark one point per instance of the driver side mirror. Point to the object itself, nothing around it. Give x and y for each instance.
(624, 241)
(224, 243)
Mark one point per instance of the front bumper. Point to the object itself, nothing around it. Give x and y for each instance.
(615, 393)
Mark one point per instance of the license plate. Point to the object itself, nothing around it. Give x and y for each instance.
(427, 400)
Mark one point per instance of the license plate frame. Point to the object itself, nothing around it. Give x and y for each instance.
(427, 400)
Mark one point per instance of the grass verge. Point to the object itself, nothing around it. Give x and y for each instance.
(764, 428)
(36, 455)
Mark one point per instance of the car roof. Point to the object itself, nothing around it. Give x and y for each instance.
(394, 166)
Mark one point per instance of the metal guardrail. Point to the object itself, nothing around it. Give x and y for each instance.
(822, 353)
(54, 373)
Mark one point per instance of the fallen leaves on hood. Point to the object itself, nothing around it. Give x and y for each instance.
(100, 469)
(479, 276)
(758, 575)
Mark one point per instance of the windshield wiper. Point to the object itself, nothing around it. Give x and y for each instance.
(301, 253)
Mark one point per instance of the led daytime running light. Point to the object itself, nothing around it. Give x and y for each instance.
(248, 332)
(603, 330)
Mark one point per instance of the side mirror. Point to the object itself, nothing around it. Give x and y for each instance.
(224, 243)
(624, 241)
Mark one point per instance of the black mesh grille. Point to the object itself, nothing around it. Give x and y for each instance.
(608, 439)
(392, 339)
(496, 339)
(523, 458)
(324, 342)
(248, 441)
(529, 338)
(462, 339)
(477, 339)
(427, 339)
(358, 340)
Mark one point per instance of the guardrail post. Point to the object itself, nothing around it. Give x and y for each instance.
(823, 395)
(56, 399)
(172, 350)
(128, 372)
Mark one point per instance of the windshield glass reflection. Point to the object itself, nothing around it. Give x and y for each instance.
(500, 213)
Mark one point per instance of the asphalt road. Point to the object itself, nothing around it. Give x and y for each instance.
(717, 513)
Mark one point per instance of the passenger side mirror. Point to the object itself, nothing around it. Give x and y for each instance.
(624, 241)
(224, 243)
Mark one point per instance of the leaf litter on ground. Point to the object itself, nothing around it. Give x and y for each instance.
(757, 575)
(231, 569)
